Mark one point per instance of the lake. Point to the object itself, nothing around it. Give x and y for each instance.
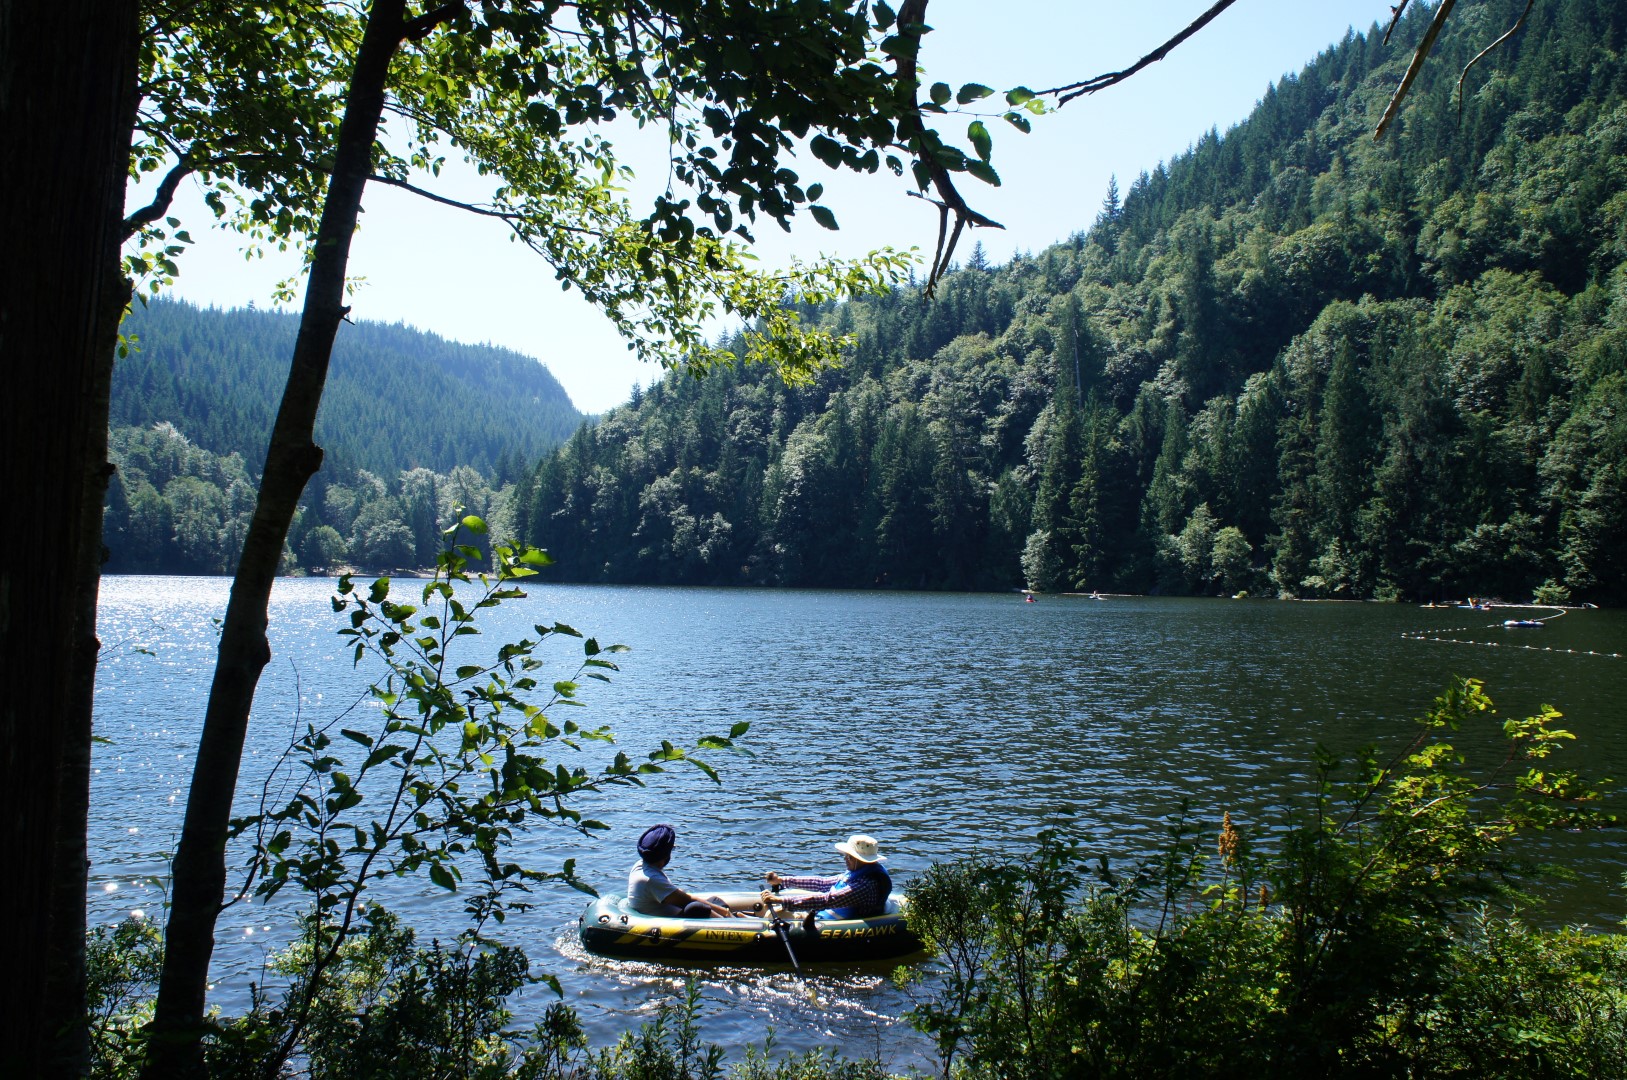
(944, 724)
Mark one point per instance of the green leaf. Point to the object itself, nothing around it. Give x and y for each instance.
(382, 753)
(823, 215)
(1019, 95)
(440, 875)
(979, 136)
(983, 172)
(941, 93)
(971, 92)
(380, 589)
(827, 150)
(475, 525)
(739, 729)
(357, 736)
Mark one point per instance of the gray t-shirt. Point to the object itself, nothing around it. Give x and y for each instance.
(648, 889)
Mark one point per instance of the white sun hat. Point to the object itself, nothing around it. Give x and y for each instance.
(863, 848)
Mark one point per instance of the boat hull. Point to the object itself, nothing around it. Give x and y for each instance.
(609, 927)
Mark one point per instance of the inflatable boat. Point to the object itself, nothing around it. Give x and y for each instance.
(609, 927)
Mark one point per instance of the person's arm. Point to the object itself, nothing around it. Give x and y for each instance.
(681, 899)
(818, 884)
(861, 893)
(820, 898)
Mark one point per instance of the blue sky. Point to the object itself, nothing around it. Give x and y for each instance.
(444, 271)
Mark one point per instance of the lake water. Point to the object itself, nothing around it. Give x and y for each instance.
(944, 724)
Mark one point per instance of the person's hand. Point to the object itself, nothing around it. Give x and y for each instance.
(772, 878)
(768, 897)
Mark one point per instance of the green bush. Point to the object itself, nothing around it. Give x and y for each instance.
(388, 1009)
(1360, 939)
(122, 965)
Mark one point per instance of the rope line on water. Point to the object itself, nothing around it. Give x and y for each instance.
(1424, 636)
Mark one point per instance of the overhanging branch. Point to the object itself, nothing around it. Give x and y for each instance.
(425, 24)
(1067, 93)
(912, 134)
(1418, 57)
(162, 198)
(1483, 53)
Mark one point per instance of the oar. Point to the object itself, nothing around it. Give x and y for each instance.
(783, 930)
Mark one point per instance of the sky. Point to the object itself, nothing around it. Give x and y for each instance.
(446, 271)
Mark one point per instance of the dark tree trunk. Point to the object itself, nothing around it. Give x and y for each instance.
(67, 95)
(199, 873)
(69, 1054)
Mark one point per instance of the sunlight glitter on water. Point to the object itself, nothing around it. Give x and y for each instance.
(944, 724)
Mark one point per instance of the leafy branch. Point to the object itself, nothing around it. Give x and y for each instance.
(459, 758)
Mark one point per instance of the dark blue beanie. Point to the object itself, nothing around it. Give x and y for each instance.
(656, 841)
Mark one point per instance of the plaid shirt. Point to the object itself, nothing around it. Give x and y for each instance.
(864, 893)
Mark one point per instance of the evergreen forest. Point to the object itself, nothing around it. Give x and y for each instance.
(1292, 360)
(414, 428)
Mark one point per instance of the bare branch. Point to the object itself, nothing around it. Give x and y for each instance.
(458, 204)
(1090, 86)
(1418, 58)
(912, 133)
(1395, 18)
(1529, 4)
(161, 200)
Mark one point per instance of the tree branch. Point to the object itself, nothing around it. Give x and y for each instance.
(473, 208)
(161, 200)
(912, 134)
(421, 27)
(1100, 82)
(1529, 4)
(1395, 18)
(1418, 58)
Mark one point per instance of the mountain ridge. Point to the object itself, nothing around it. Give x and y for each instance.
(1290, 361)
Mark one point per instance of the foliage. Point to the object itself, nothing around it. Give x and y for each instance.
(455, 762)
(397, 398)
(385, 1007)
(1352, 938)
(388, 1007)
(121, 968)
(175, 507)
(1290, 360)
(519, 91)
(671, 1047)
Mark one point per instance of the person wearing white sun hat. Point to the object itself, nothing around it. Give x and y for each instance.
(859, 893)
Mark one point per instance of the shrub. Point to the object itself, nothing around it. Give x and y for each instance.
(1359, 941)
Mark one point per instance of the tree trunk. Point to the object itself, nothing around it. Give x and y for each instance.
(199, 872)
(69, 1054)
(67, 94)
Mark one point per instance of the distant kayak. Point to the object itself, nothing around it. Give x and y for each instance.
(609, 927)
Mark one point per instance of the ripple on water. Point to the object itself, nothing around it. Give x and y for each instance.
(944, 724)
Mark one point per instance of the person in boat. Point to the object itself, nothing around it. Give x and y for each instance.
(651, 892)
(858, 893)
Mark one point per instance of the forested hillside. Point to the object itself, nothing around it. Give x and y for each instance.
(413, 427)
(1291, 360)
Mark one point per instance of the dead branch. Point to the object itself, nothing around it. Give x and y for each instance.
(912, 133)
(1481, 55)
(1418, 58)
(1090, 86)
(1395, 19)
